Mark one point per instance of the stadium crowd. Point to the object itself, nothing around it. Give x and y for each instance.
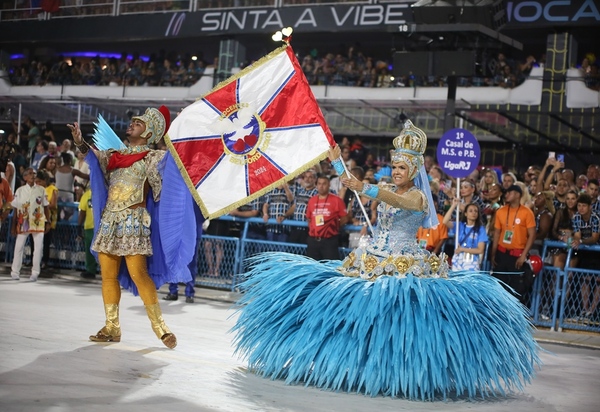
(349, 68)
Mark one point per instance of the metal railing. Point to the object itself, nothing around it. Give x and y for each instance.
(558, 297)
(565, 298)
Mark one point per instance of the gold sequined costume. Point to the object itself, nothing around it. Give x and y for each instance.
(125, 225)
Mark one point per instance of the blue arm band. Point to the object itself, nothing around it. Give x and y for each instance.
(370, 190)
(338, 166)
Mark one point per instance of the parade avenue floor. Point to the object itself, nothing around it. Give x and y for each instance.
(48, 364)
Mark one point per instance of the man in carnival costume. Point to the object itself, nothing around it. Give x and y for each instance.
(390, 319)
(127, 186)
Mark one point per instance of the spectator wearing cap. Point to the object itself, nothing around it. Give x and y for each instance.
(514, 234)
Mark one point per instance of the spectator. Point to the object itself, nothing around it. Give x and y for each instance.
(65, 147)
(428, 162)
(543, 209)
(81, 170)
(495, 202)
(562, 230)
(472, 237)
(358, 151)
(592, 190)
(7, 168)
(531, 174)
(586, 231)
(43, 179)
(569, 176)
(562, 187)
(85, 219)
(368, 74)
(532, 188)
(347, 157)
(432, 239)
(252, 209)
(31, 136)
(467, 196)
(334, 180)
(581, 183)
(49, 133)
(31, 217)
(508, 179)
(48, 165)
(325, 213)
(489, 178)
(308, 67)
(213, 248)
(593, 172)
(526, 198)
(298, 209)
(514, 235)
(41, 151)
(64, 180)
(6, 197)
(277, 203)
(53, 149)
(544, 181)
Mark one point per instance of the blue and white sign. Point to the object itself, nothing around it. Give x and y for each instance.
(458, 153)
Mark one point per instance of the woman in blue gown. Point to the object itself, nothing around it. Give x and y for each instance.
(390, 319)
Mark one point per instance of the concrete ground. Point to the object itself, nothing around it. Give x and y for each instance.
(48, 364)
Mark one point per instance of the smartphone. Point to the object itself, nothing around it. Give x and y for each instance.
(560, 158)
(551, 155)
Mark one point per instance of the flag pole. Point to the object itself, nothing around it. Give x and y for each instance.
(362, 207)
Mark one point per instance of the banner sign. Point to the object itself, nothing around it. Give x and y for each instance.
(538, 13)
(332, 18)
(458, 153)
(389, 17)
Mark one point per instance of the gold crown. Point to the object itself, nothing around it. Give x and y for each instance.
(411, 140)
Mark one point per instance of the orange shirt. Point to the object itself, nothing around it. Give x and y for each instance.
(431, 237)
(512, 223)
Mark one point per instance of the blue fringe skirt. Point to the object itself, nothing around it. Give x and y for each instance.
(416, 338)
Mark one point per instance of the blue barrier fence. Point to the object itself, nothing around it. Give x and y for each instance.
(566, 298)
(234, 250)
(558, 298)
(220, 258)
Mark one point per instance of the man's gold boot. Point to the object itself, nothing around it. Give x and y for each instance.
(111, 332)
(158, 326)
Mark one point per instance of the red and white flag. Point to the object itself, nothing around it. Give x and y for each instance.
(251, 133)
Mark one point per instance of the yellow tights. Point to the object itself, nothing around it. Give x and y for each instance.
(136, 264)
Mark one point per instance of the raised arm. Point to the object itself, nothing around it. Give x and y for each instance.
(81, 144)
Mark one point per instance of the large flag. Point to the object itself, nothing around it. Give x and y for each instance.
(251, 133)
